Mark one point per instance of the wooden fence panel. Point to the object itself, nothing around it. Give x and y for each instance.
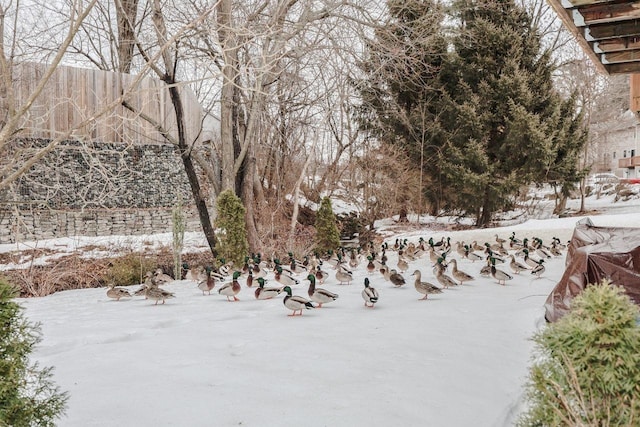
(73, 94)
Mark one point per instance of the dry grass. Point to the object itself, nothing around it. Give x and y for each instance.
(73, 271)
(66, 272)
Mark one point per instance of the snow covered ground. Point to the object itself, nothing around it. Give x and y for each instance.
(459, 358)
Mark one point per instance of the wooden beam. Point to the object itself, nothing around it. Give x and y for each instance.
(605, 13)
(619, 29)
(624, 56)
(567, 20)
(579, 3)
(623, 68)
(617, 44)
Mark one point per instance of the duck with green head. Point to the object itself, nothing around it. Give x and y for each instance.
(369, 294)
(266, 293)
(319, 295)
(295, 302)
(231, 289)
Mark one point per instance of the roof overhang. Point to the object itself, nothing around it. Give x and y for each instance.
(607, 30)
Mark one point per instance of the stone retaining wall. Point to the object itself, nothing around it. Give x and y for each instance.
(20, 226)
(93, 188)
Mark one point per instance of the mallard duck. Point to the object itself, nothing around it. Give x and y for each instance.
(319, 295)
(541, 250)
(403, 265)
(354, 259)
(225, 267)
(500, 241)
(232, 288)
(486, 271)
(285, 279)
(459, 275)
(161, 278)
(555, 250)
(460, 248)
(153, 292)
(558, 243)
(208, 283)
(445, 280)
(533, 263)
(433, 255)
(369, 294)
(476, 247)
(343, 276)
(440, 265)
(516, 267)
(425, 288)
(491, 254)
(539, 269)
(188, 273)
(514, 243)
(437, 244)
(266, 293)
(148, 282)
(117, 293)
(470, 255)
(157, 294)
(499, 275)
(249, 281)
(320, 275)
(396, 278)
(371, 267)
(295, 302)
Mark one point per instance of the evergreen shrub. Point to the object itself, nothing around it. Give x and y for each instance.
(587, 367)
(28, 396)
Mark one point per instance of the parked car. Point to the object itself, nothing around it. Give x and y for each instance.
(630, 180)
(602, 179)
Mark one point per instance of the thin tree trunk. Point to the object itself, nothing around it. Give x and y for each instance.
(126, 12)
(255, 245)
(229, 53)
(296, 208)
(485, 214)
(190, 170)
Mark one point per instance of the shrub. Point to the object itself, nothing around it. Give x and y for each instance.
(588, 368)
(28, 397)
(327, 234)
(233, 234)
(60, 274)
(129, 269)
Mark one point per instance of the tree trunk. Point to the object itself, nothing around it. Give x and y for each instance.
(229, 53)
(126, 12)
(190, 170)
(255, 245)
(484, 219)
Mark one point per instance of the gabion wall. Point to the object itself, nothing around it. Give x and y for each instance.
(95, 189)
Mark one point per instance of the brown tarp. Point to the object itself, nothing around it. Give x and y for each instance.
(594, 254)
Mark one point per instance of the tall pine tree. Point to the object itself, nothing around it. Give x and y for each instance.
(502, 114)
(399, 91)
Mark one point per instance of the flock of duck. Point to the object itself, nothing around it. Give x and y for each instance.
(519, 255)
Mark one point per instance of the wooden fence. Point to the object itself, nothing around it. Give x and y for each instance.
(74, 94)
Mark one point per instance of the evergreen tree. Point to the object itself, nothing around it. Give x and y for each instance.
(502, 112)
(327, 234)
(399, 93)
(233, 234)
(28, 397)
(587, 372)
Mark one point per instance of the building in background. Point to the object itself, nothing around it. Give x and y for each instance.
(617, 149)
